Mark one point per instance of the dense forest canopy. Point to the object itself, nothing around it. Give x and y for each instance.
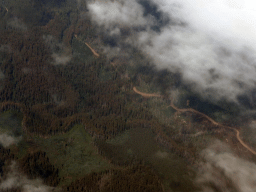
(79, 114)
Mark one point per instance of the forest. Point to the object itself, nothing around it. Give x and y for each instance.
(52, 80)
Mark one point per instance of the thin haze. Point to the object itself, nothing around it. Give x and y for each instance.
(7, 140)
(15, 180)
(224, 171)
(211, 43)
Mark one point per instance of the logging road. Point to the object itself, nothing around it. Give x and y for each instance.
(202, 114)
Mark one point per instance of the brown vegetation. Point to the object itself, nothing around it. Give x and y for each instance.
(36, 165)
(203, 115)
(136, 178)
(92, 50)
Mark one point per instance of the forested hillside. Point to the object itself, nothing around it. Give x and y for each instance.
(79, 126)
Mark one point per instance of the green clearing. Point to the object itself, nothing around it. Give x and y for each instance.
(140, 143)
(73, 153)
(157, 106)
(160, 109)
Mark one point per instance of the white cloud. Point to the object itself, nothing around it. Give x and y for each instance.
(7, 140)
(15, 179)
(121, 13)
(61, 59)
(211, 43)
(61, 54)
(17, 24)
(225, 171)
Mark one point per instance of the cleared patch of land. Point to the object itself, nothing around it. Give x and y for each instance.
(73, 153)
(139, 143)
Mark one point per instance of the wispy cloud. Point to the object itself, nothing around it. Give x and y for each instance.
(224, 171)
(60, 53)
(61, 59)
(212, 44)
(17, 24)
(7, 140)
(15, 179)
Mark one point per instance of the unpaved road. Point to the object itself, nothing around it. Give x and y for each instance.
(92, 50)
(146, 94)
(202, 114)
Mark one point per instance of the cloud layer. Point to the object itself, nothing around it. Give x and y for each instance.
(16, 180)
(226, 172)
(61, 54)
(7, 140)
(212, 44)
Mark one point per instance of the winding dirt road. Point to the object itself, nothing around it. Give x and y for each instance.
(146, 94)
(202, 114)
(92, 50)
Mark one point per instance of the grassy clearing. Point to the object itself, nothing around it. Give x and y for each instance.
(140, 142)
(120, 139)
(157, 106)
(159, 109)
(73, 153)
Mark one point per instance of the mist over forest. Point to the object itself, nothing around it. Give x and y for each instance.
(127, 95)
(210, 44)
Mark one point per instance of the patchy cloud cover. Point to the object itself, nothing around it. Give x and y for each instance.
(225, 172)
(16, 180)
(212, 44)
(125, 13)
(7, 140)
(60, 53)
(17, 24)
(61, 59)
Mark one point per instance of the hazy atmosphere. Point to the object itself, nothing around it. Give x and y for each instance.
(212, 44)
(127, 95)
